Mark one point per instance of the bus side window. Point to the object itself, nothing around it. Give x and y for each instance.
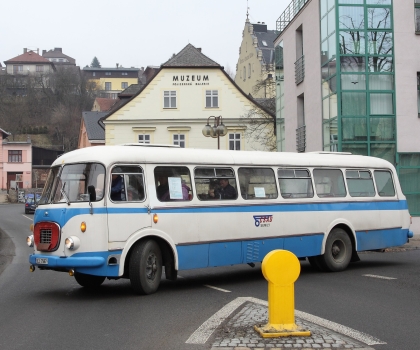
(173, 183)
(257, 183)
(360, 183)
(127, 184)
(329, 183)
(215, 183)
(384, 183)
(295, 183)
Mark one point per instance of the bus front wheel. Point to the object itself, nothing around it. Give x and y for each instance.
(88, 281)
(145, 267)
(338, 251)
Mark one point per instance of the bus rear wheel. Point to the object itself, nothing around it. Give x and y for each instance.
(145, 267)
(88, 281)
(338, 251)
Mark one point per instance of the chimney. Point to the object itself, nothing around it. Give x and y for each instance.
(25, 50)
(58, 49)
(37, 51)
(199, 49)
(117, 65)
(44, 52)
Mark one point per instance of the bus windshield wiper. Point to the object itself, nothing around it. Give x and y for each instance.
(64, 194)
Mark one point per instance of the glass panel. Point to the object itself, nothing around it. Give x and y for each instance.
(296, 188)
(383, 150)
(350, 2)
(413, 201)
(379, 18)
(381, 82)
(333, 106)
(352, 43)
(326, 108)
(417, 19)
(353, 64)
(378, 2)
(354, 129)
(381, 64)
(410, 180)
(329, 183)
(353, 103)
(330, 136)
(332, 52)
(353, 82)
(323, 7)
(351, 17)
(324, 28)
(381, 103)
(355, 148)
(380, 43)
(331, 22)
(384, 183)
(382, 129)
(257, 183)
(324, 52)
(173, 183)
(410, 159)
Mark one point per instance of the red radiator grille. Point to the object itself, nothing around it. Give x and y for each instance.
(46, 236)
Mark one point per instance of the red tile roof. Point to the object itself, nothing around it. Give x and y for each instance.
(28, 57)
(105, 104)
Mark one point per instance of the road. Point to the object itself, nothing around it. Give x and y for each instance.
(49, 310)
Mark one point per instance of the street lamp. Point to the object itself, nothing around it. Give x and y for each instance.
(217, 130)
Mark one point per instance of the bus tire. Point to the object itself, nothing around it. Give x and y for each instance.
(88, 281)
(145, 269)
(338, 251)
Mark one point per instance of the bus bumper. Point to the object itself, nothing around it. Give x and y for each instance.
(94, 264)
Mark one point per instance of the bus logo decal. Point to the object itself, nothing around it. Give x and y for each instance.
(263, 220)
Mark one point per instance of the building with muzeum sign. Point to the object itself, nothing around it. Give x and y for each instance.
(185, 94)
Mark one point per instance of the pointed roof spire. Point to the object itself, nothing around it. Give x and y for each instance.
(247, 12)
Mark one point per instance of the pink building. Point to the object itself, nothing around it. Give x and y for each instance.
(15, 162)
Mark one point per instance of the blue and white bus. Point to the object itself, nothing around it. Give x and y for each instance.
(129, 211)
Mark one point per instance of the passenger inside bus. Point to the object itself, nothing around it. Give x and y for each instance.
(163, 191)
(224, 191)
(116, 187)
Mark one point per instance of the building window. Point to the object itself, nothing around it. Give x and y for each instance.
(144, 138)
(417, 15)
(212, 98)
(15, 156)
(93, 74)
(18, 69)
(169, 99)
(409, 175)
(124, 73)
(179, 140)
(124, 85)
(244, 73)
(235, 141)
(107, 73)
(418, 94)
(39, 68)
(249, 70)
(108, 86)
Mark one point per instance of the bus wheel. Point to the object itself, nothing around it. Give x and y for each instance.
(88, 281)
(145, 267)
(338, 250)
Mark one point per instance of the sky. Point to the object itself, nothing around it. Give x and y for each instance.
(132, 33)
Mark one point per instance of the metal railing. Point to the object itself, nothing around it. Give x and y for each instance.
(301, 138)
(289, 13)
(300, 70)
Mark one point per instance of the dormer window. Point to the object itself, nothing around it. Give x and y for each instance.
(107, 73)
(264, 42)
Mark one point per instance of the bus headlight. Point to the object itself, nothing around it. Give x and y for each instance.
(72, 242)
(30, 241)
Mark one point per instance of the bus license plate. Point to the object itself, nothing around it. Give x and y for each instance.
(42, 261)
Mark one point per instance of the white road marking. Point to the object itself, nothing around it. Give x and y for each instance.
(27, 217)
(201, 335)
(220, 289)
(381, 277)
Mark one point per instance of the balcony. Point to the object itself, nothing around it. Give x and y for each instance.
(300, 70)
(289, 13)
(301, 139)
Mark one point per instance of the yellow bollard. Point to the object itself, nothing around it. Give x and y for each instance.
(281, 269)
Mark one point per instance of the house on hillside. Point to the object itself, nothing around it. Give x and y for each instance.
(185, 94)
(111, 81)
(58, 57)
(15, 162)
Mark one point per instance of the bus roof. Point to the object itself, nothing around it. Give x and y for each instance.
(166, 154)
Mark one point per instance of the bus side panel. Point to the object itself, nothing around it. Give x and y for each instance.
(255, 251)
(304, 246)
(193, 256)
(379, 239)
(227, 253)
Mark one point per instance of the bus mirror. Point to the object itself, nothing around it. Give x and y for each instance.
(92, 193)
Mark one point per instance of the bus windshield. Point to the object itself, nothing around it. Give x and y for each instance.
(71, 183)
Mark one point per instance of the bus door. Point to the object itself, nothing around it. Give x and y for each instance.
(127, 202)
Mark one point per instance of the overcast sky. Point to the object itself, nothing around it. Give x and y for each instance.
(133, 33)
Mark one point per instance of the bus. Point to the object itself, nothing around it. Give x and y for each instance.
(137, 211)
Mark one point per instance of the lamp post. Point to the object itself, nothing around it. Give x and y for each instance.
(217, 130)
